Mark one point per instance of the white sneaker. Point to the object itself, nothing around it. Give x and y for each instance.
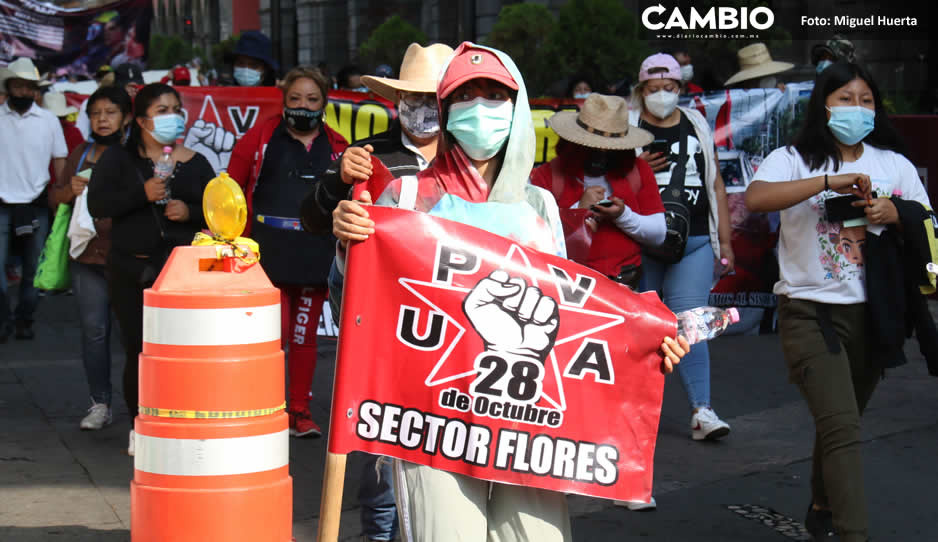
(98, 416)
(130, 445)
(705, 424)
(638, 506)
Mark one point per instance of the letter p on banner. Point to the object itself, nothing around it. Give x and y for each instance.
(499, 388)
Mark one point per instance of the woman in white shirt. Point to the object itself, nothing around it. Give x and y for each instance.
(846, 147)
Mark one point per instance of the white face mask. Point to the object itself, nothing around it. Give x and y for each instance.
(768, 81)
(687, 72)
(661, 103)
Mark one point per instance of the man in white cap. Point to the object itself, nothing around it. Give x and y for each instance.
(408, 146)
(30, 138)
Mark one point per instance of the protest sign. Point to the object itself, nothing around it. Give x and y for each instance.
(472, 354)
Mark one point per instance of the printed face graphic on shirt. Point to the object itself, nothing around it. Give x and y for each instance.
(693, 181)
(851, 244)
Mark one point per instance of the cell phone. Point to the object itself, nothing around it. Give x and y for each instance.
(659, 145)
(605, 203)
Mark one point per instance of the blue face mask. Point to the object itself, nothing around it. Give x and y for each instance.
(581, 95)
(168, 128)
(247, 77)
(851, 123)
(480, 126)
(822, 65)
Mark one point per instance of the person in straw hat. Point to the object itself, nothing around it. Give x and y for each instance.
(30, 138)
(757, 69)
(596, 169)
(407, 147)
(56, 103)
(686, 283)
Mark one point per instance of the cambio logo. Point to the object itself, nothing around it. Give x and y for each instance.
(721, 18)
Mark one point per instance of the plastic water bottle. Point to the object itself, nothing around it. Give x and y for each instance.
(705, 323)
(931, 268)
(163, 169)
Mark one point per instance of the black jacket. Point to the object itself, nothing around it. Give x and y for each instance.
(316, 208)
(895, 282)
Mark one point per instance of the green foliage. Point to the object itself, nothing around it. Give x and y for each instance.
(386, 45)
(522, 31)
(596, 37)
(168, 51)
(219, 51)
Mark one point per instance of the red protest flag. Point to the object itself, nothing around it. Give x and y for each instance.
(462, 350)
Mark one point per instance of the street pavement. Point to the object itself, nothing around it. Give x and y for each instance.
(58, 483)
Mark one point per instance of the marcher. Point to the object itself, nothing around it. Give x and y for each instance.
(110, 112)
(252, 62)
(685, 284)
(350, 78)
(407, 147)
(126, 76)
(826, 324)
(277, 162)
(477, 163)
(150, 216)
(579, 87)
(757, 69)
(55, 102)
(836, 49)
(596, 169)
(687, 71)
(181, 76)
(30, 139)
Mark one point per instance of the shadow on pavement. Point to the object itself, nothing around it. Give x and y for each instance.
(71, 533)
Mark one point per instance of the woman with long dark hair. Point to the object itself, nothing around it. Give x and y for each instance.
(109, 111)
(150, 215)
(846, 147)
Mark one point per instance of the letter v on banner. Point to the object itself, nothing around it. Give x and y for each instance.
(506, 364)
(242, 120)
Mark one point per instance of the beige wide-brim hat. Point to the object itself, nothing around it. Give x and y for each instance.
(21, 68)
(755, 61)
(602, 123)
(420, 72)
(55, 102)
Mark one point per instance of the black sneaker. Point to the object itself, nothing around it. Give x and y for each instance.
(820, 524)
(24, 332)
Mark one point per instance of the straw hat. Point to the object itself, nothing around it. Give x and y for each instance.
(755, 61)
(21, 68)
(420, 72)
(602, 123)
(55, 102)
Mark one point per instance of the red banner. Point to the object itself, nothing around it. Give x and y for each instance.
(461, 350)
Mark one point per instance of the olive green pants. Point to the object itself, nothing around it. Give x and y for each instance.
(828, 353)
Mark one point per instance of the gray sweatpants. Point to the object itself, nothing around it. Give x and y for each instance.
(439, 506)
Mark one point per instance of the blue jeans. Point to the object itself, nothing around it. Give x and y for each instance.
(376, 497)
(681, 286)
(31, 244)
(90, 284)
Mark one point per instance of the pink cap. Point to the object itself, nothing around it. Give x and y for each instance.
(167, 149)
(734, 314)
(660, 60)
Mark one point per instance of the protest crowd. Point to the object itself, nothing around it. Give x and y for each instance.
(634, 192)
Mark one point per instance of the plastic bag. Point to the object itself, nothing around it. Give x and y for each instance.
(52, 273)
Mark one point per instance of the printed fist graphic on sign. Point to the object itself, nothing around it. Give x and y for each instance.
(212, 141)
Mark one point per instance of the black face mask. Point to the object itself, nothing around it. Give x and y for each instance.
(20, 104)
(111, 139)
(301, 119)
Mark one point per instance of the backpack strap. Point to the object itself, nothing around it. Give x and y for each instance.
(408, 198)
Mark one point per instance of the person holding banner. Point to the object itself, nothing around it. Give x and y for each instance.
(407, 147)
(150, 215)
(276, 163)
(843, 184)
(251, 61)
(682, 138)
(596, 170)
(110, 111)
(482, 166)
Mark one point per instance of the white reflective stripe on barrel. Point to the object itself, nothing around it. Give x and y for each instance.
(211, 327)
(212, 457)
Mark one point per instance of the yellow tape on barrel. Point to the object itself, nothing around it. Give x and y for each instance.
(209, 414)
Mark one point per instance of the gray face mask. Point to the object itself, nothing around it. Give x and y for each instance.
(768, 81)
(422, 121)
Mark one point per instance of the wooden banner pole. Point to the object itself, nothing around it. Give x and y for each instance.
(330, 508)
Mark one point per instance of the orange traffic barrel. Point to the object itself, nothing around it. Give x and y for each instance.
(212, 441)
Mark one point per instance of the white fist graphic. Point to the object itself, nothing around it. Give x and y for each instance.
(512, 317)
(212, 141)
